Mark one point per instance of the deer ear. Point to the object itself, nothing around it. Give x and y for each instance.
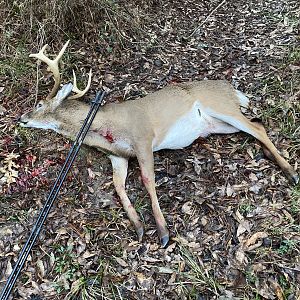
(62, 94)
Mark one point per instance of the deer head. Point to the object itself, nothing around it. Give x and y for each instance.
(45, 114)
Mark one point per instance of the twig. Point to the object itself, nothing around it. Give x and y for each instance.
(209, 15)
(37, 84)
(286, 267)
(122, 35)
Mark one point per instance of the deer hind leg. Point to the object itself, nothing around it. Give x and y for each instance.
(271, 152)
(146, 162)
(120, 166)
(255, 129)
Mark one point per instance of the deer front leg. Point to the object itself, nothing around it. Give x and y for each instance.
(146, 162)
(120, 166)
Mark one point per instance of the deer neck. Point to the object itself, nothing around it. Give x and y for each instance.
(102, 134)
(71, 117)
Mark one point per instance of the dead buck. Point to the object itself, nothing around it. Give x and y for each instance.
(171, 118)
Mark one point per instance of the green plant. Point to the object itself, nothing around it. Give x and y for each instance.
(65, 262)
(289, 124)
(287, 246)
(294, 55)
(251, 277)
(245, 208)
(86, 288)
(295, 200)
(141, 205)
(65, 266)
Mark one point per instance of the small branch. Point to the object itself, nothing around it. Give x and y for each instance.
(37, 84)
(204, 21)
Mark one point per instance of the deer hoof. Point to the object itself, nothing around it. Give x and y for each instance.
(164, 240)
(140, 232)
(163, 234)
(295, 178)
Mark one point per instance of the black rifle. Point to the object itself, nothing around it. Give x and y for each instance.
(52, 196)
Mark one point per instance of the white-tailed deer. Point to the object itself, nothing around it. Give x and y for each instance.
(171, 118)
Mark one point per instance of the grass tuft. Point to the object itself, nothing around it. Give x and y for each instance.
(108, 21)
(195, 278)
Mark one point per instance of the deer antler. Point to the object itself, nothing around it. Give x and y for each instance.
(76, 90)
(52, 66)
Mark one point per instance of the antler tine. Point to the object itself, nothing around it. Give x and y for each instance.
(76, 90)
(52, 66)
(62, 51)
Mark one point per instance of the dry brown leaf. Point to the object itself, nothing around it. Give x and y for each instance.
(88, 254)
(171, 248)
(241, 257)
(253, 177)
(277, 288)
(144, 282)
(8, 269)
(41, 267)
(251, 242)
(187, 208)
(91, 173)
(229, 190)
(265, 291)
(244, 226)
(121, 262)
(172, 278)
(2, 109)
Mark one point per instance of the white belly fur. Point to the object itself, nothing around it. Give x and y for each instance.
(187, 129)
(197, 122)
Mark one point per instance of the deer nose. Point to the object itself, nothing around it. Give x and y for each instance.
(19, 120)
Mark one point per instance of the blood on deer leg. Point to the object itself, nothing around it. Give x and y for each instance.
(120, 166)
(146, 162)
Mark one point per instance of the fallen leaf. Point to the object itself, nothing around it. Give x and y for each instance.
(164, 270)
(243, 227)
(121, 262)
(252, 243)
(41, 267)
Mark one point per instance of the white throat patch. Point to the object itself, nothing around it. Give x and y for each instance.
(41, 125)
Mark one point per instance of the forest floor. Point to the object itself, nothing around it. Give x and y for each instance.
(232, 214)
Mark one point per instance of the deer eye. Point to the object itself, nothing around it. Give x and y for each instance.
(39, 105)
